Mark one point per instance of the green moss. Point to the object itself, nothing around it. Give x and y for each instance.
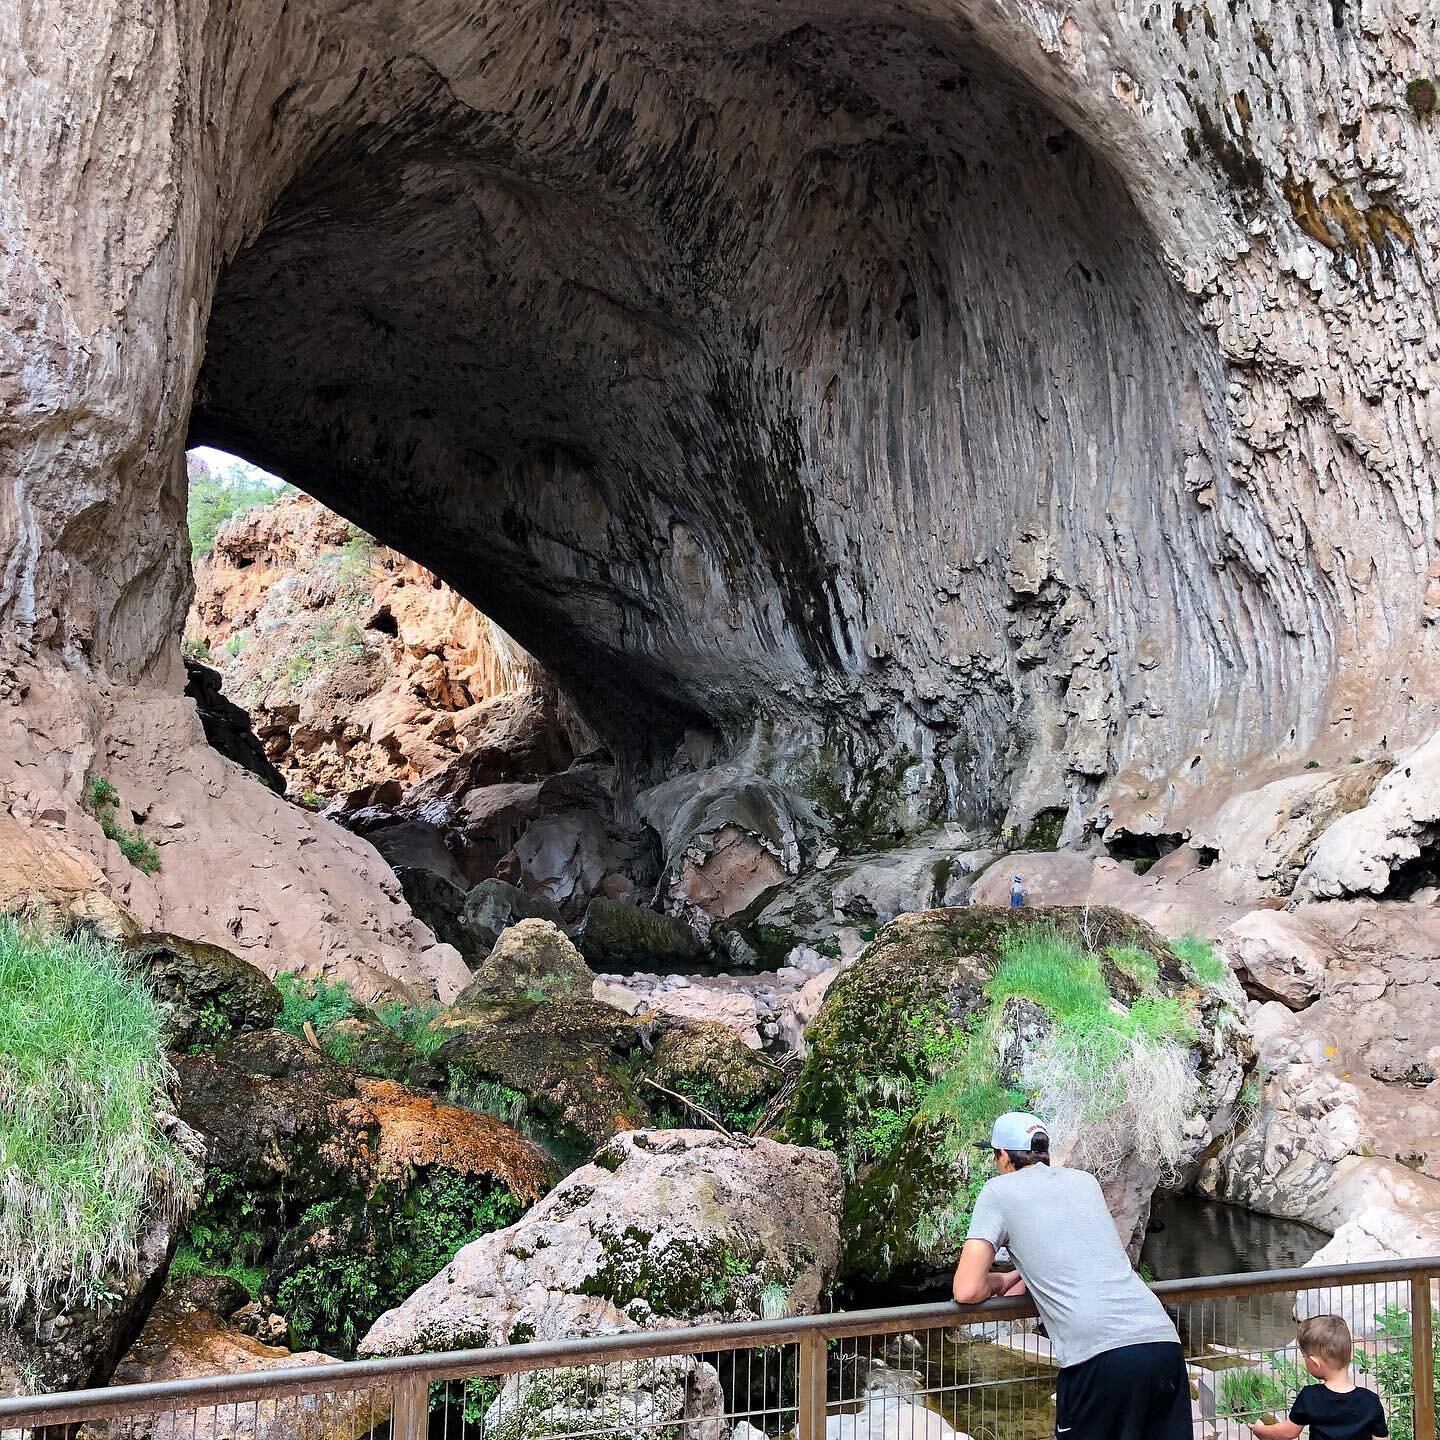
(680, 1278)
(350, 1265)
(1421, 96)
(574, 1062)
(905, 1066)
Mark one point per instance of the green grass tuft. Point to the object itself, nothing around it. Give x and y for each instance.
(1139, 965)
(1201, 962)
(1247, 1395)
(83, 1077)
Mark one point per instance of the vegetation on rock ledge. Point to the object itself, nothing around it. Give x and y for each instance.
(952, 1016)
(83, 1078)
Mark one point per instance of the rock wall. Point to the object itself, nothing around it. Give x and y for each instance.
(1047, 388)
(356, 665)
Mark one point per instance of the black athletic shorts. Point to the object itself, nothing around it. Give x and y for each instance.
(1138, 1392)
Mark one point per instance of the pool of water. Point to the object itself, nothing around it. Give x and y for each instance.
(1190, 1235)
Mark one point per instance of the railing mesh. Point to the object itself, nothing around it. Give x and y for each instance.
(924, 1373)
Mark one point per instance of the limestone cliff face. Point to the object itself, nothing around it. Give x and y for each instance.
(1046, 388)
(357, 666)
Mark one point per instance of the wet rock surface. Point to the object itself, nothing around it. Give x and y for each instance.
(341, 1192)
(185, 1338)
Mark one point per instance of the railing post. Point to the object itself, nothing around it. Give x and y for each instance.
(1422, 1354)
(410, 1419)
(810, 1404)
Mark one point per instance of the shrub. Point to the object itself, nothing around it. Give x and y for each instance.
(83, 1077)
(103, 801)
(1393, 1367)
(321, 1003)
(1249, 1394)
(187, 1263)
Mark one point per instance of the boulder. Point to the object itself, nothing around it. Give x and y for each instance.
(615, 935)
(618, 997)
(490, 907)
(665, 1396)
(1275, 958)
(227, 727)
(566, 1064)
(710, 1065)
(691, 1004)
(662, 1226)
(1390, 827)
(531, 958)
(438, 902)
(935, 1029)
(802, 1008)
(891, 1417)
(723, 872)
(208, 993)
(185, 1339)
(567, 857)
(344, 1192)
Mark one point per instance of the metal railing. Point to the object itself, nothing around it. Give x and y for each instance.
(926, 1372)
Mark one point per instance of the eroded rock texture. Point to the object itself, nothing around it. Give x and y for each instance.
(357, 666)
(1047, 388)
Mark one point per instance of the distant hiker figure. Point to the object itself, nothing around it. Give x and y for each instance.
(1017, 893)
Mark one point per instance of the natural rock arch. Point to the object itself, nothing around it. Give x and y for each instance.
(816, 380)
(1047, 390)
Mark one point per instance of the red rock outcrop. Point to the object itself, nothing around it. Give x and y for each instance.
(356, 665)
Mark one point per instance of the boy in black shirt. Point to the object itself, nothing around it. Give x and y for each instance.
(1336, 1408)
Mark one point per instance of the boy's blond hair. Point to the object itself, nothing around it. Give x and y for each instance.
(1327, 1338)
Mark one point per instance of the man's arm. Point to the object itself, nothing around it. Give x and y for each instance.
(974, 1280)
(1280, 1430)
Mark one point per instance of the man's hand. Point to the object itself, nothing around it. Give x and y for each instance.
(1014, 1284)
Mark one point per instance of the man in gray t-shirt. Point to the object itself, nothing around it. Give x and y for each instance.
(1122, 1373)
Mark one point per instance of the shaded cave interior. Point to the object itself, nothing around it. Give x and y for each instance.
(730, 391)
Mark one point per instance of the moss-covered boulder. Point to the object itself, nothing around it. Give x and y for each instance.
(533, 958)
(616, 935)
(332, 1195)
(208, 993)
(1132, 1053)
(662, 1226)
(709, 1064)
(564, 1066)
